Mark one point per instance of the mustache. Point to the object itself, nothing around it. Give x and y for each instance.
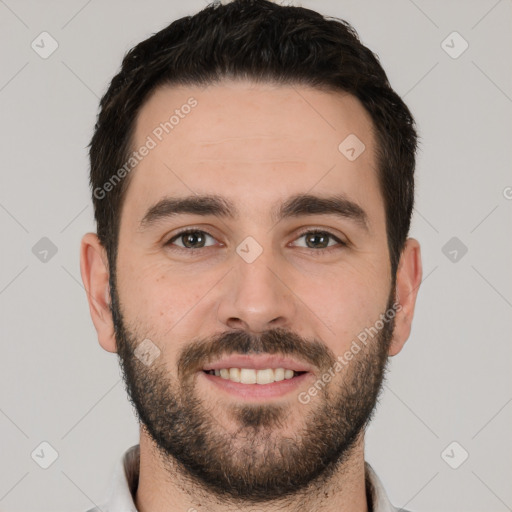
(275, 341)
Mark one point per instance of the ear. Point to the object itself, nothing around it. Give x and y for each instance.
(95, 273)
(408, 280)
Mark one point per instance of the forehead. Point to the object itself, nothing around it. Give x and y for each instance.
(253, 142)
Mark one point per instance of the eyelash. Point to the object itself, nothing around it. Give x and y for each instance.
(307, 232)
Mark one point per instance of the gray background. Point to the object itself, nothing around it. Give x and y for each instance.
(452, 380)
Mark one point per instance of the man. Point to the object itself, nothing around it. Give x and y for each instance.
(252, 177)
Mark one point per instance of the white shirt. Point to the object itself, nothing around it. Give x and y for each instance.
(124, 482)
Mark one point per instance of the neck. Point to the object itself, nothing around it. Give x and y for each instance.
(163, 486)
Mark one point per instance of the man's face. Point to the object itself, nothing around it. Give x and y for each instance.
(215, 293)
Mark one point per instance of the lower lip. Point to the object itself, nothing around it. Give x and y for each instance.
(257, 391)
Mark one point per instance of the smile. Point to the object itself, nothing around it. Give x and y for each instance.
(253, 376)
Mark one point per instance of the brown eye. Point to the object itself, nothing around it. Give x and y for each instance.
(190, 239)
(317, 240)
(320, 240)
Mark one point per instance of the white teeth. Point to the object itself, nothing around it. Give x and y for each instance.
(234, 374)
(251, 376)
(247, 376)
(279, 374)
(288, 374)
(265, 376)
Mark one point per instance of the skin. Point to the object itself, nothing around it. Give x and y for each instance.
(256, 144)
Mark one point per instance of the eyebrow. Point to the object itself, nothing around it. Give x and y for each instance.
(295, 206)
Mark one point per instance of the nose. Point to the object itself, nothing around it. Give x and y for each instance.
(256, 296)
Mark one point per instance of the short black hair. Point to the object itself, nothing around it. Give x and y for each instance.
(261, 41)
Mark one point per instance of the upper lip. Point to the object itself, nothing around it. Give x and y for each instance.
(258, 363)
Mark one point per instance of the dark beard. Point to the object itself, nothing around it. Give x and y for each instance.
(256, 463)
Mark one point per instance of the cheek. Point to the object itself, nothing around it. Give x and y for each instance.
(162, 306)
(345, 303)
(159, 299)
(144, 292)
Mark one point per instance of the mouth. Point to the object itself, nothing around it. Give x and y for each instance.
(253, 386)
(254, 376)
